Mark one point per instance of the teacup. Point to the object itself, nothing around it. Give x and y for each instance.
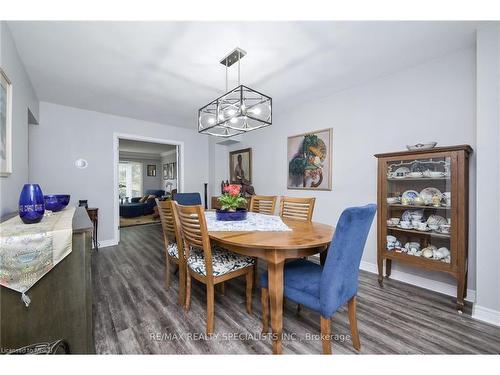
(447, 198)
(391, 239)
(415, 223)
(422, 226)
(445, 228)
(405, 224)
(434, 226)
(394, 220)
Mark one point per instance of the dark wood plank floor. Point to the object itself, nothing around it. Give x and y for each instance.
(133, 313)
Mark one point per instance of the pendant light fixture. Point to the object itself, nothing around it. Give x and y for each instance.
(239, 110)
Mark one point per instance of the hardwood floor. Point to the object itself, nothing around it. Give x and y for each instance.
(133, 313)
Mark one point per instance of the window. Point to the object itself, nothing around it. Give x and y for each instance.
(130, 179)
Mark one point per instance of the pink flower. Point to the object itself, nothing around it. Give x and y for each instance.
(233, 190)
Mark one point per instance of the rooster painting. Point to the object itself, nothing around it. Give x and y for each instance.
(309, 166)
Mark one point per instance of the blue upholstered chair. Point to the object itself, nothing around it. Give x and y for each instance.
(326, 288)
(188, 199)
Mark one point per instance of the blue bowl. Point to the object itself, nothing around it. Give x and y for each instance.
(56, 202)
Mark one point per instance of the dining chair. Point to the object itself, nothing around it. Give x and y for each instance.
(263, 204)
(325, 289)
(187, 199)
(297, 208)
(210, 265)
(171, 239)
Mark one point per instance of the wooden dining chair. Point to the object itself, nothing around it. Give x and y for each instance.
(297, 208)
(325, 289)
(210, 265)
(171, 239)
(263, 204)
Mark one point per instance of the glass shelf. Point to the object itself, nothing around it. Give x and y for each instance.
(415, 207)
(418, 179)
(419, 232)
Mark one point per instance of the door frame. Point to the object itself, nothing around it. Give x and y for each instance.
(116, 159)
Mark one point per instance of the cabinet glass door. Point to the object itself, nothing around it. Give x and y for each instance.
(419, 208)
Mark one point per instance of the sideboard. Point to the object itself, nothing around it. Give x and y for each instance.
(61, 302)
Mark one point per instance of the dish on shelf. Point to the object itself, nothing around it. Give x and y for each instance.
(436, 220)
(393, 200)
(410, 195)
(408, 215)
(433, 174)
(415, 174)
(421, 146)
(428, 193)
(401, 172)
(426, 229)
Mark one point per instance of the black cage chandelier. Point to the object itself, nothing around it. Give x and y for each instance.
(238, 111)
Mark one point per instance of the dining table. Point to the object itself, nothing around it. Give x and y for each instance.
(303, 239)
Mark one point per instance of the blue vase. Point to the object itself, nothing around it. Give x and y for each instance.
(238, 215)
(31, 204)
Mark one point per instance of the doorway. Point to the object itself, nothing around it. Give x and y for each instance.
(145, 169)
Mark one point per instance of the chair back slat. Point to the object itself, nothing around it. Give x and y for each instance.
(339, 278)
(166, 219)
(263, 204)
(297, 208)
(193, 227)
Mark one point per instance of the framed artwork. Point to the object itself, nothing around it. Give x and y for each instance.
(151, 170)
(170, 171)
(5, 125)
(240, 166)
(309, 158)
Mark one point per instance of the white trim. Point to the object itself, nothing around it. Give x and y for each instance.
(166, 153)
(7, 168)
(116, 158)
(486, 314)
(421, 282)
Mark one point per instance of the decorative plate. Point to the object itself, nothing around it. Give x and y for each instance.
(436, 220)
(421, 146)
(428, 193)
(408, 214)
(410, 194)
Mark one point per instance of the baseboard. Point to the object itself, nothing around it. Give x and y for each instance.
(486, 315)
(422, 282)
(107, 243)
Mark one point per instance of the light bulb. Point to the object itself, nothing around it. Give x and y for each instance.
(234, 120)
(211, 120)
(231, 112)
(256, 111)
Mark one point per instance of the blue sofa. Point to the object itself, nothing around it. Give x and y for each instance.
(136, 208)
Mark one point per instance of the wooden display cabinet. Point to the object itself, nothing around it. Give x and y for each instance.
(445, 169)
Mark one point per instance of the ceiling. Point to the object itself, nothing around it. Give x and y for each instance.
(165, 71)
(145, 150)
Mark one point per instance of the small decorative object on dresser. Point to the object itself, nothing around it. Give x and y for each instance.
(231, 204)
(31, 204)
(431, 215)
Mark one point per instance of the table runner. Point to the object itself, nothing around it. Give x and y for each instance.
(253, 222)
(30, 251)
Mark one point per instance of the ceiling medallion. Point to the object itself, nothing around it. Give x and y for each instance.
(238, 111)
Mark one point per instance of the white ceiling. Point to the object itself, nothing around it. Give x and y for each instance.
(165, 71)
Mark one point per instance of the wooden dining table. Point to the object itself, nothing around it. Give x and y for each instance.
(305, 239)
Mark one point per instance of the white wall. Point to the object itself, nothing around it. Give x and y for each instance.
(487, 305)
(23, 97)
(66, 134)
(433, 101)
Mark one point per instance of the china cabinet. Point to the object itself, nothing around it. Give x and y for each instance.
(423, 212)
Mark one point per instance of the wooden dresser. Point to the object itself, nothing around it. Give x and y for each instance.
(61, 302)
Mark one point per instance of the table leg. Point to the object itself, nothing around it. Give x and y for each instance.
(275, 275)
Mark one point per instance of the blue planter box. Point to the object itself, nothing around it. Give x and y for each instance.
(239, 214)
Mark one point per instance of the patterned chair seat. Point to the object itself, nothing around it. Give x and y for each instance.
(223, 261)
(172, 250)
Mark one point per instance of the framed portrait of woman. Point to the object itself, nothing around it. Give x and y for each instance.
(240, 166)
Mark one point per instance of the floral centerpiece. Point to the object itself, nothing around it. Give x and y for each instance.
(232, 204)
